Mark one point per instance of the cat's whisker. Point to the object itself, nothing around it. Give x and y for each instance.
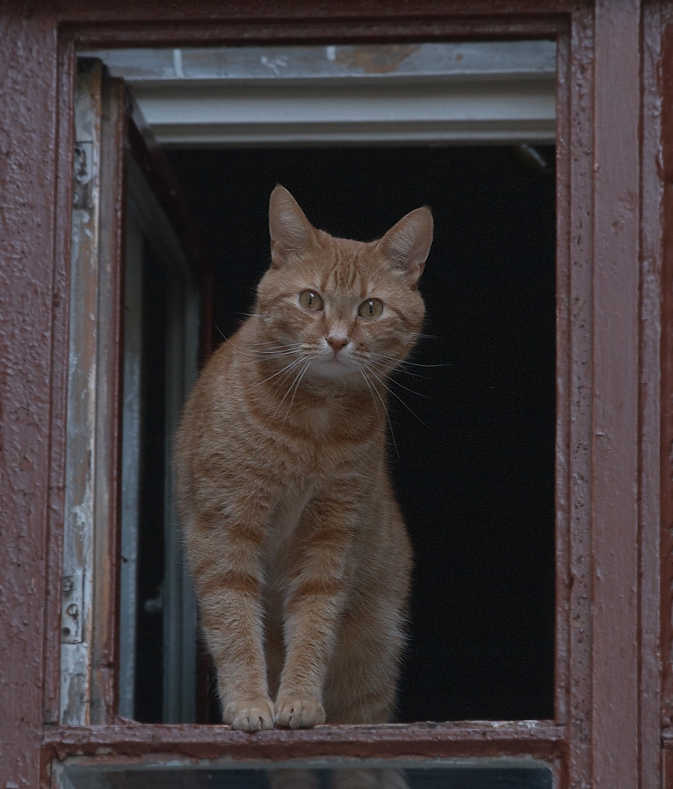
(262, 351)
(374, 390)
(406, 388)
(268, 344)
(267, 354)
(418, 364)
(273, 349)
(295, 387)
(270, 356)
(289, 377)
(259, 343)
(371, 391)
(287, 369)
(406, 362)
(263, 354)
(291, 387)
(400, 366)
(401, 369)
(397, 397)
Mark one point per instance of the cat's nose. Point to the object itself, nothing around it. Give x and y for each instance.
(337, 341)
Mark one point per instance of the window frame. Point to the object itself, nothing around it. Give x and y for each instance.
(148, 226)
(539, 738)
(611, 470)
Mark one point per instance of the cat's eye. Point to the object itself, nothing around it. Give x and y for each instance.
(310, 300)
(371, 308)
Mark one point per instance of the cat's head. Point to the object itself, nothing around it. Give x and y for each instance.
(341, 308)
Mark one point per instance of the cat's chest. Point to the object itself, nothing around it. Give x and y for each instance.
(317, 452)
(284, 525)
(288, 510)
(320, 418)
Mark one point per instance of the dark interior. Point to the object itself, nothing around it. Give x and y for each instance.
(149, 624)
(474, 468)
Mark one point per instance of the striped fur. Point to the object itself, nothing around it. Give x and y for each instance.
(298, 550)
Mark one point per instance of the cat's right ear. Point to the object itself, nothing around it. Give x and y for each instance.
(291, 232)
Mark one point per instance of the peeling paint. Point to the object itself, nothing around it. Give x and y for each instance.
(376, 59)
(78, 539)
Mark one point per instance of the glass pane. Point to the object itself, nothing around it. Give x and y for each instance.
(496, 776)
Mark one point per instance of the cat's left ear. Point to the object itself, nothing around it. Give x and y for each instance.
(407, 244)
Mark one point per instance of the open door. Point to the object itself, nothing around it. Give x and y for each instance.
(128, 610)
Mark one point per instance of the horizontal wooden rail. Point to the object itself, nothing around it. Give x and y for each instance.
(541, 739)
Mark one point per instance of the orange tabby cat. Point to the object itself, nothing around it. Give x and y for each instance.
(298, 550)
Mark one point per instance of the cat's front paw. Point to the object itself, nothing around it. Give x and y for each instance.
(249, 714)
(296, 712)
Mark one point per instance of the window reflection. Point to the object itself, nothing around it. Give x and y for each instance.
(535, 775)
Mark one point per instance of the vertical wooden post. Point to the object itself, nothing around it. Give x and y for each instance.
(615, 428)
(91, 473)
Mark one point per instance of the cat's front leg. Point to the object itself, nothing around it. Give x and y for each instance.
(313, 606)
(226, 565)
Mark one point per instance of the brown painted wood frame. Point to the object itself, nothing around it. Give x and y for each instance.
(666, 458)
(615, 379)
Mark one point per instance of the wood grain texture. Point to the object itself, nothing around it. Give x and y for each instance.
(666, 458)
(578, 290)
(651, 397)
(83, 474)
(296, 21)
(615, 706)
(63, 210)
(542, 739)
(104, 684)
(563, 365)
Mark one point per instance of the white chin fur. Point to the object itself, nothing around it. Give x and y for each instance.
(332, 368)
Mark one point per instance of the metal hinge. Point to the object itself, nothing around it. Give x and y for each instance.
(72, 608)
(83, 172)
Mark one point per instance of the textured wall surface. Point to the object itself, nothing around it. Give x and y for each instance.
(28, 67)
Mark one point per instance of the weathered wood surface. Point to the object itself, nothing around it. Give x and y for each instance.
(609, 609)
(90, 515)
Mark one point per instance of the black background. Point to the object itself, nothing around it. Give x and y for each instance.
(475, 478)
